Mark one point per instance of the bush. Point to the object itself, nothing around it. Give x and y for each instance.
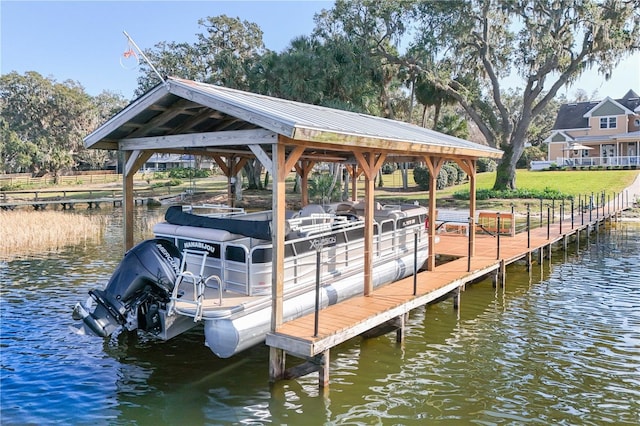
(487, 194)
(188, 173)
(421, 177)
(388, 168)
(486, 165)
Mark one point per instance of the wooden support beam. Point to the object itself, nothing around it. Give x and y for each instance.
(303, 168)
(200, 140)
(472, 204)
(354, 173)
(279, 173)
(133, 161)
(370, 164)
(323, 377)
(263, 157)
(434, 164)
(277, 364)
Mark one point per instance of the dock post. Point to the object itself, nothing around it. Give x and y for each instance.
(581, 212)
(498, 237)
(540, 212)
(503, 273)
(415, 262)
(548, 221)
(597, 208)
(277, 359)
(471, 229)
(456, 299)
(571, 213)
(323, 376)
(553, 210)
(561, 214)
(529, 261)
(528, 226)
(317, 309)
(400, 330)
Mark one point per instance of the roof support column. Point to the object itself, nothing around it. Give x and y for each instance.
(370, 164)
(279, 173)
(281, 166)
(469, 167)
(303, 168)
(354, 172)
(434, 164)
(230, 168)
(133, 160)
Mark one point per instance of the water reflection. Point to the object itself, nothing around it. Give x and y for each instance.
(559, 344)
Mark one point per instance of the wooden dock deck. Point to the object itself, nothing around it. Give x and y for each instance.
(388, 305)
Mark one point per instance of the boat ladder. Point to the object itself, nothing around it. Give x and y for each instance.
(199, 282)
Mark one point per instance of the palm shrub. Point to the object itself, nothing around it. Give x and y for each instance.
(322, 187)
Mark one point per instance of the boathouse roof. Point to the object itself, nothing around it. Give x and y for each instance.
(187, 116)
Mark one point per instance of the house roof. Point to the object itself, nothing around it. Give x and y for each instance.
(183, 114)
(576, 115)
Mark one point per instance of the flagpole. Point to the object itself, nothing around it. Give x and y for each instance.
(144, 56)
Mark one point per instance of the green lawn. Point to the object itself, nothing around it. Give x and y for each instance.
(568, 182)
(571, 183)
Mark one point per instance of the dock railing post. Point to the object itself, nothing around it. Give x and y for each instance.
(597, 207)
(540, 212)
(591, 209)
(561, 214)
(498, 237)
(469, 248)
(415, 262)
(572, 213)
(548, 221)
(317, 312)
(581, 212)
(528, 225)
(553, 210)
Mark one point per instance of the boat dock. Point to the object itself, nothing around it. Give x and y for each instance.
(312, 336)
(41, 199)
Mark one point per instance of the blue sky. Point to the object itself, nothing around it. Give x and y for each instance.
(84, 41)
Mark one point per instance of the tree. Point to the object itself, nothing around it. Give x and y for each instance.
(42, 123)
(50, 116)
(429, 95)
(222, 55)
(468, 48)
(104, 106)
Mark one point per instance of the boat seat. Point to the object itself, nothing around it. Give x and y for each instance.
(310, 209)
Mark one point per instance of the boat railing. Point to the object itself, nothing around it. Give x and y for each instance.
(198, 283)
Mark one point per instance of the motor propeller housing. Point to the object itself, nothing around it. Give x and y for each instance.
(141, 284)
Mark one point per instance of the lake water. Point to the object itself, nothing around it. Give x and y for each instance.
(560, 345)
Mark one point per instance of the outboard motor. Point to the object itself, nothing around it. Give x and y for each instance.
(141, 284)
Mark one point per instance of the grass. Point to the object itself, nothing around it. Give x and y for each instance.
(571, 183)
(45, 231)
(65, 228)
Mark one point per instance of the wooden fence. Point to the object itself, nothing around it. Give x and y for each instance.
(25, 179)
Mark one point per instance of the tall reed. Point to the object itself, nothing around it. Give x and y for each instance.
(26, 232)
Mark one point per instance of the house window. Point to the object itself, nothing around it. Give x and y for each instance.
(608, 122)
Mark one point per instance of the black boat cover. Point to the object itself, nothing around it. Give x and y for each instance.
(260, 229)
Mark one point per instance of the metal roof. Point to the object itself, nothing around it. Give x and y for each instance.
(185, 107)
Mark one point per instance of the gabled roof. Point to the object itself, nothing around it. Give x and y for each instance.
(199, 110)
(576, 115)
(566, 137)
(604, 101)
